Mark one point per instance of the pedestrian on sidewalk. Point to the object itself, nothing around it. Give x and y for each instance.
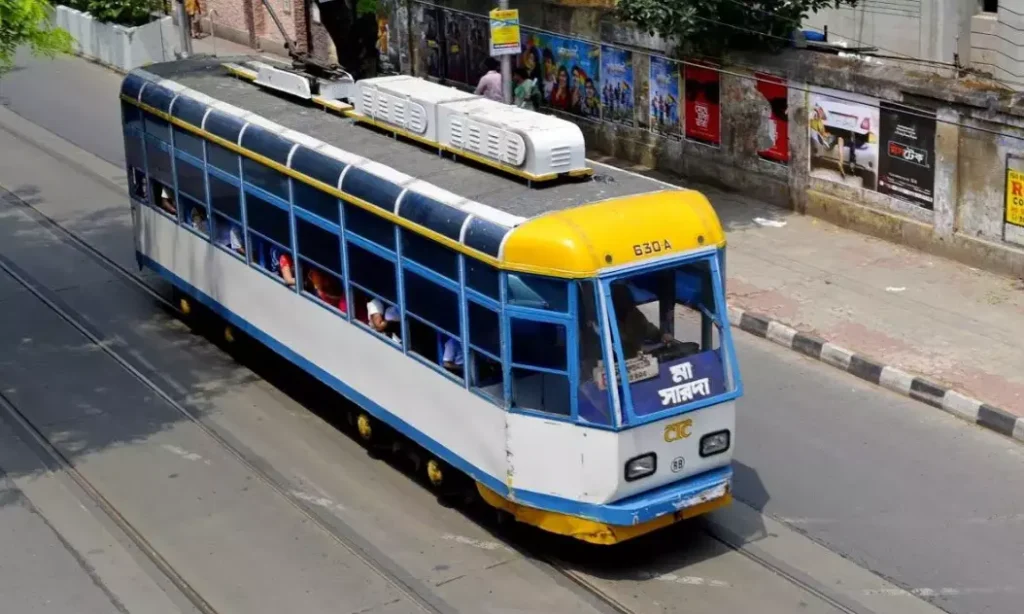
(194, 10)
(490, 83)
(526, 94)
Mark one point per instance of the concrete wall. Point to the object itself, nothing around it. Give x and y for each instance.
(997, 42)
(118, 46)
(930, 29)
(976, 129)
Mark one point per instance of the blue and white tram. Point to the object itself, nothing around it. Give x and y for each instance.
(498, 343)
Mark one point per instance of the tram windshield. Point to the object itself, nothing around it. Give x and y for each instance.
(667, 338)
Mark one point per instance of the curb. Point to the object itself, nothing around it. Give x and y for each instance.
(966, 408)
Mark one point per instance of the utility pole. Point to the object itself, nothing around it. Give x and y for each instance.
(184, 29)
(506, 67)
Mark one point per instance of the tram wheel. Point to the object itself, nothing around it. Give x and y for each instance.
(435, 473)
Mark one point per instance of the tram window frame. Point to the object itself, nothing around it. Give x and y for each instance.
(193, 176)
(265, 178)
(214, 182)
(263, 232)
(304, 196)
(187, 205)
(356, 250)
(217, 220)
(155, 188)
(157, 127)
(592, 329)
(137, 179)
(368, 226)
(550, 294)
(429, 254)
(187, 143)
(518, 371)
(311, 229)
(482, 278)
(428, 312)
(482, 356)
(222, 159)
(131, 117)
(159, 152)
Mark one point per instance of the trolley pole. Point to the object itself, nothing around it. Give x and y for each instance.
(184, 29)
(506, 67)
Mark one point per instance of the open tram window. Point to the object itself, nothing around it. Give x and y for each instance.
(433, 321)
(485, 373)
(196, 215)
(163, 197)
(374, 291)
(227, 234)
(270, 238)
(669, 336)
(540, 380)
(137, 184)
(319, 252)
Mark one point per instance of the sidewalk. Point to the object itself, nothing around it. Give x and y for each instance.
(946, 325)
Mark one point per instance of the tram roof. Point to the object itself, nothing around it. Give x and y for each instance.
(630, 208)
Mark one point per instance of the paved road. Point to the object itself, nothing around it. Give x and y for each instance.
(899, 488)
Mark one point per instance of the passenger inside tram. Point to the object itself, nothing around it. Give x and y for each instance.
(325, 287)
(165, 197)
(384, 320)
(229, 235)
(198, 218)
(451, 357)
(275, 260)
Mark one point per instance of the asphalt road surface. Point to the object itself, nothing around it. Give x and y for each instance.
(898, 488)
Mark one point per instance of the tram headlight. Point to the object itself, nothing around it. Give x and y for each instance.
(641, 466)
(714, 443)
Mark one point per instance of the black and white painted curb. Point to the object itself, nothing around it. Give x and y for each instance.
(901, 382)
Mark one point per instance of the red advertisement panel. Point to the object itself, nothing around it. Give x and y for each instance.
(776, 119)
(701, 88)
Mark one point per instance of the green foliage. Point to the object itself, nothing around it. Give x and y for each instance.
(366, 7)
(27, 22)
(712, 26)
(128, 13)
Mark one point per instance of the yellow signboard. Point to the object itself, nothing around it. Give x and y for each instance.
(1015, 197)
(505, 36)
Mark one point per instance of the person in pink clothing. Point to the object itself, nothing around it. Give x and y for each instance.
(490, 83)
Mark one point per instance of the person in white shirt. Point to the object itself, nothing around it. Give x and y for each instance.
(383, 320)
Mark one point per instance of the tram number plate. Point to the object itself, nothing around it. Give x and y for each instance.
(637, 369)
(652, 247)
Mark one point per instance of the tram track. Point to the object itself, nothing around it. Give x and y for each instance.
(347, 537)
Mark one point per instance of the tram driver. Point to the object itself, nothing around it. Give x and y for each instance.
(635, 330)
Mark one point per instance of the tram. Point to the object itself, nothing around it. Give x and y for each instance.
(565, 350)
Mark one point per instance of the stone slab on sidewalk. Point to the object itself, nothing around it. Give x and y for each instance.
(946, 325)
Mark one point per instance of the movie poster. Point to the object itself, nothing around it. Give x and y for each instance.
(906, 168)
(432, 18)
(387, 37)
(477, 48)
(775, 117)
(843, 133)
(703, 116)
(617, 85)
(455, 27)
(568, 70)
(664, 96)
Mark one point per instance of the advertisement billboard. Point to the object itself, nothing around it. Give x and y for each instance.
(617, 85)
(843, 133)
(906, 169)
(775, 117)
(703, 114)
(568, 70)
(663, 98)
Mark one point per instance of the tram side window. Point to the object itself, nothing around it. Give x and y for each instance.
(270, 237)
(265, 178)
(369, 226)
(592, 392)
(189, 143)
(137, 183)
(483, 278)
(192, 194)
(163, 197)
(540, 380)
(430, 254)
(158, 160)
(222, 159)
(485, 373)
(320, 264)
(433, 321)
(315, 201)
(374, 291)
(537, 292)
(157, 127)
(226, 206)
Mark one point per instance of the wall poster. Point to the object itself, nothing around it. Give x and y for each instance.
(664, 96)
(568, 70)
(843, 135)
(906, 169)
(1013, 219)
(775, 118)
(703, 115)
(617, 89)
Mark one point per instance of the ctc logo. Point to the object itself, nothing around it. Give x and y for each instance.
(678, 430)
